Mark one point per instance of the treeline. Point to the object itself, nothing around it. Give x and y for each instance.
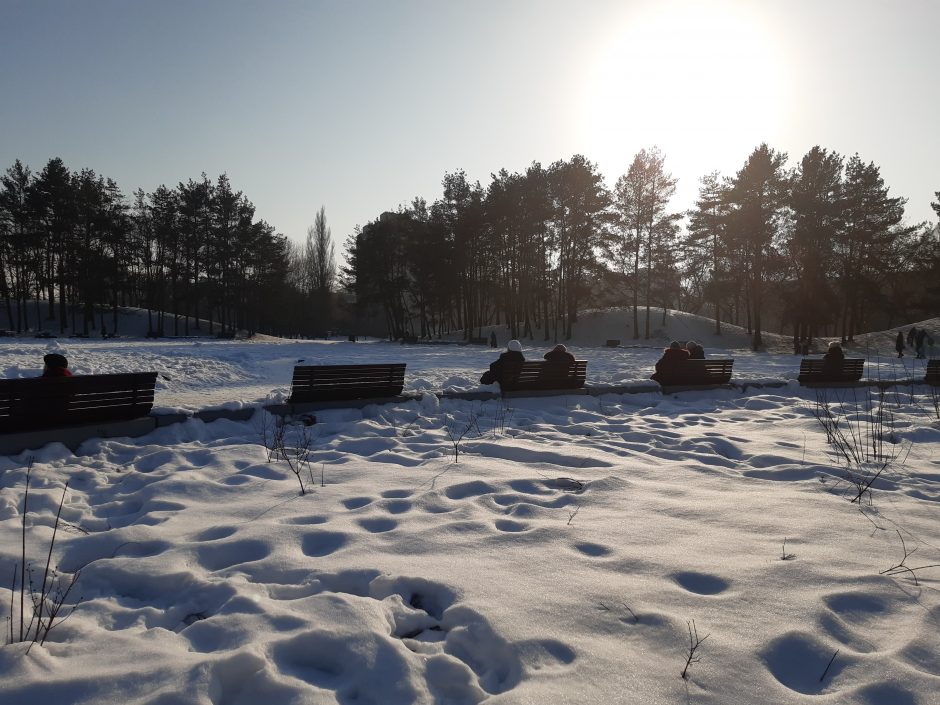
(521, 252)
(74, 244)
(820, 249)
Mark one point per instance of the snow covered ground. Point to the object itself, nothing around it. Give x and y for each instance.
(200, 373)
(560, 560)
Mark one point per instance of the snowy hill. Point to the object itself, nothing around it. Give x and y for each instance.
(882, 342)
(131, 322)
(595, 327)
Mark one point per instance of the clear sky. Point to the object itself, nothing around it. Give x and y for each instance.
(361, 106)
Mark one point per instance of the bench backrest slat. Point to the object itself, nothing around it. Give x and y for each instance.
(338, 382)
(932, 375)
(813, 370)
(698, 373)
(544, 375)
(51, 402)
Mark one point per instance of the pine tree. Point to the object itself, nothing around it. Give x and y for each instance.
(872, 229)
(580, 203)
(817, 203)
(19, 254)
(54, 206)
(644, 231)
(707, 245)
(759, 196)
(321, 268)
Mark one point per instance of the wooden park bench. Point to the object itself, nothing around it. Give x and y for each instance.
(933, 372)
(697, 373)
(824, 373)
(544, 376)
(321, 383)
(52, 402)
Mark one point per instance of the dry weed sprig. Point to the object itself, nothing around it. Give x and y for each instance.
(50, 599)
(694, 644)
(901, 567)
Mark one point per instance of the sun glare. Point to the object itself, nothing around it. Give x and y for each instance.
(700, 80)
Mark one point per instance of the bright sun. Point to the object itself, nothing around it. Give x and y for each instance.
(700, 80)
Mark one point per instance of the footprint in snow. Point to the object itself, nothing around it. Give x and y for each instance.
(797, 660)
(701, 583)
(323, 543)
(594, 550)
(510, 526)
(396, 494)
(398, 506)
(866, 622)
(214, 533)
(220, 556)
(378, 525)
(307, 520)
(464, 490)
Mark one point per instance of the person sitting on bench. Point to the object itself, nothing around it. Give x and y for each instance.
(55, 365)
(832, 360)
(671, 361)
(512, 358)
(559, 353)
(696, 351)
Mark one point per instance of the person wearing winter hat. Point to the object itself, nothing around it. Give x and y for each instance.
(696, 351)
(834, 352)
(832, 360)
(670, 362)
(512, 358)
(559, 353)
(55, 365)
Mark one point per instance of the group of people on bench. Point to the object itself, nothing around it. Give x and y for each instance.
(513, 358)
(673, 357)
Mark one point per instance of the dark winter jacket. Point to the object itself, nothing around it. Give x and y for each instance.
(562, 356)
(57, 372)
(899, 343)
(670, 363)
(506, 362)
(832, 360)
(911, 334)
(697, 353)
